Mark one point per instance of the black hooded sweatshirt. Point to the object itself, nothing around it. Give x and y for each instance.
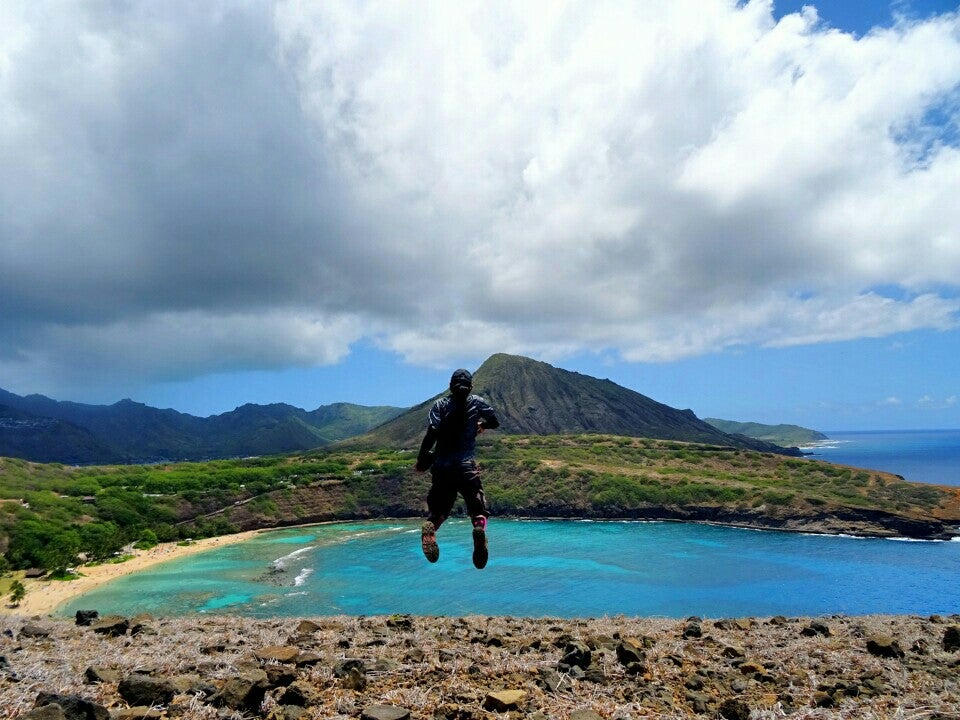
(453, 424)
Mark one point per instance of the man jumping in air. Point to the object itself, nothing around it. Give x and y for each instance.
(454, 422)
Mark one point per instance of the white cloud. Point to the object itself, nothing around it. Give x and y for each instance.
(928, 402)
(176, 346)
(655, 180)
(615, 181)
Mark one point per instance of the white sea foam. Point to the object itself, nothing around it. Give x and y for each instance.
(823, 445)
(918, 540)
(281, 562)
(302, 577)
(347, 537)
(848, 536)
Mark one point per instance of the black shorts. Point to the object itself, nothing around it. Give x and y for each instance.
(450, 480)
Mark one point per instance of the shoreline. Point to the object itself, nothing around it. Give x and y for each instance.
(45, 596)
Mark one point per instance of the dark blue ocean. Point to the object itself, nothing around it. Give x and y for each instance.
(928, 456)
(574, 569)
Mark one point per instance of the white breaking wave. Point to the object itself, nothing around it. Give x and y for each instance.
(919, 540)
(347, 537)
(824, 445)
(281, 562)
(302, 577)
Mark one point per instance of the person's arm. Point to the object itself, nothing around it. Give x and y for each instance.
(425, 457)
(488, 418)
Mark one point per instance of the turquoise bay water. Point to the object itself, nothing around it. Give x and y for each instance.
(546, 568)
(929, 456)
(572, 569)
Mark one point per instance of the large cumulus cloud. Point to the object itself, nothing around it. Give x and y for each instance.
(187, 188)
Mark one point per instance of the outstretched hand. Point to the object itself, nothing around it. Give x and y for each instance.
(480, 427)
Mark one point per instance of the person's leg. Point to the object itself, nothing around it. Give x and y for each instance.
(472, 491)
(440, 499)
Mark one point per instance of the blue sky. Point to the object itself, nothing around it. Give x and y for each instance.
(861, 17)
(901, 382)
(746, 209)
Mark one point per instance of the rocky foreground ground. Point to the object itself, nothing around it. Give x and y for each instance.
(390, 668)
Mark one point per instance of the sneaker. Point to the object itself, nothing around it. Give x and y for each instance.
(428, 541)
(479, 548)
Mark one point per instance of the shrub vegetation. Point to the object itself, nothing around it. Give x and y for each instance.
(52, 516)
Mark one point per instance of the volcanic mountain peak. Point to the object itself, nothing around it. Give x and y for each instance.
(533, 397)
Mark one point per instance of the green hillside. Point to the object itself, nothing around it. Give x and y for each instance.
(785, 435)
(44, 439)
(50, 513)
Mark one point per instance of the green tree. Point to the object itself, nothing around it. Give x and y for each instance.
(61, 552)
(148, 539)
(101, 539)
(165, 532)
(17, 593)
(122, 507)
(28, 538)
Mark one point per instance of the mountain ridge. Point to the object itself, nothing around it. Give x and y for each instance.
(131, 432)
(535, 398)
(530, 396)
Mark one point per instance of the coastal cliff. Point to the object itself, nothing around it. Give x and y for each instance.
(328, 502)
(608, 477)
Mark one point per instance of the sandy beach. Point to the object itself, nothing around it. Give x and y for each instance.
(405, 667)
(44, 596)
